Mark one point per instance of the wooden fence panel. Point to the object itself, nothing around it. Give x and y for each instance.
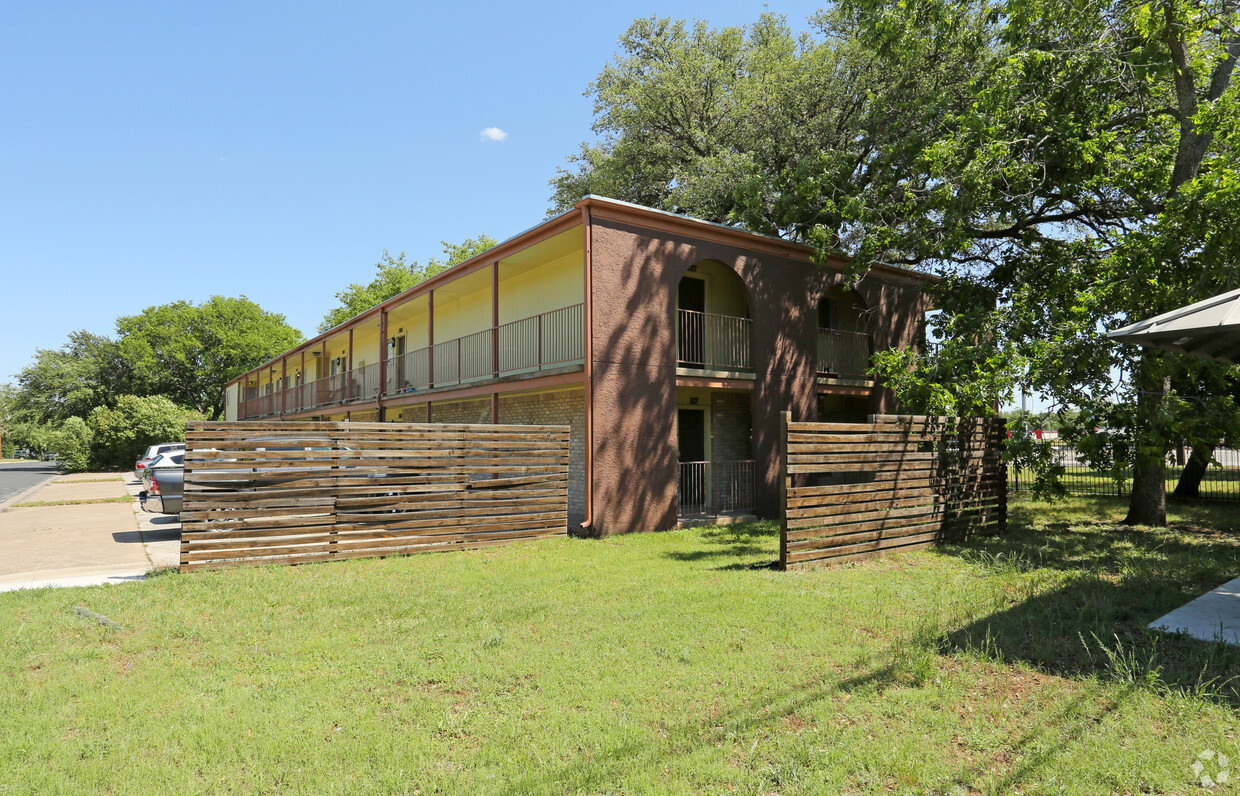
(854, 490)
(288, 493)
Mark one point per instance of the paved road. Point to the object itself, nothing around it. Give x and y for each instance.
(17, 477)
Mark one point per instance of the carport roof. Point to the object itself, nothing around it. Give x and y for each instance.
(1209, 329)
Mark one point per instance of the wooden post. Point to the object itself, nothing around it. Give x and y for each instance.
(1000, 441)
(283, 386)
(784, 419)
(348, 369)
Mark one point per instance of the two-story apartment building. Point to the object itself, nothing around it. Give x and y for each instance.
(669, 345)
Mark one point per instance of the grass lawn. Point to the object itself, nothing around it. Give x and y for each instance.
(660, 663)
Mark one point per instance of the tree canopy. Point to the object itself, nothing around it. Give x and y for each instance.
(188, 352)
(393, 275)
(70, 381)
(1066, 167)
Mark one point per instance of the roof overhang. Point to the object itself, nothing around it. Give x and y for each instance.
(1208, 329)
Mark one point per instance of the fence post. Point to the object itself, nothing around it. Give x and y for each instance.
(785, 418)
(1001, 439)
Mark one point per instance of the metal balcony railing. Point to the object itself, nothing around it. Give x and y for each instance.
(712, 342)
(528, 345)
(531, 344)
(714, 488)
(843, 353)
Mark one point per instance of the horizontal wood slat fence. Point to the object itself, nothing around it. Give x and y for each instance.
(855, 490)
(289, 493)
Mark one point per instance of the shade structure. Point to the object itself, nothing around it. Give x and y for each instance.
(1209, 329)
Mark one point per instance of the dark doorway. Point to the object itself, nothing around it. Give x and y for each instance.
(691, 307)
(691, 435)
(692, 294)
(693, 477)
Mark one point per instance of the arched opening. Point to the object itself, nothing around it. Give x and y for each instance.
(712, 319)
(714, 438)
(843, 337)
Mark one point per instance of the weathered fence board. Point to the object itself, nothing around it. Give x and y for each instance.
(895, 483)
(289, 493)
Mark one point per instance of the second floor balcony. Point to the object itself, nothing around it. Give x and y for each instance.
(712, 342)
(531, 345)
(843, 354)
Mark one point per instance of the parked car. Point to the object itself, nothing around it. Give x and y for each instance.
(152, 452)
(163, 481)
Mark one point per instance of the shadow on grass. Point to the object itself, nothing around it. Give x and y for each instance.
(1036, 748)
(751, 545)
(1089, 616)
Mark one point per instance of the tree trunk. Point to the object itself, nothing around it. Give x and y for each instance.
(1189, 485)
(1148, 504)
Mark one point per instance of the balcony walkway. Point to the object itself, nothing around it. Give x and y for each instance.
(530, 346)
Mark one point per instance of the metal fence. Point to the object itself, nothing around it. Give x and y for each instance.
(714, 488)
(712, 342)
(843, 353)
(1221, 480)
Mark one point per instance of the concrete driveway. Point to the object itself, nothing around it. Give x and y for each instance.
(72, 530)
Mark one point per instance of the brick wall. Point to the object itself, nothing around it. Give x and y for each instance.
(370, 416)
(408, 414)
(564, 407)
(472, 411)
(730, 427)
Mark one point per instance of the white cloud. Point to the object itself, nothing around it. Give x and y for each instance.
(493, 134)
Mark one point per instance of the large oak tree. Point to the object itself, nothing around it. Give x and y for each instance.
(1067, 166)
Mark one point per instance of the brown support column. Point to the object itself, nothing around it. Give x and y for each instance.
(383, 351)
(428, 411)
(319, 397)
(301, 388)
(494, 408)
(283, 386)
(348, 367)
(430, 347)
(495, 321)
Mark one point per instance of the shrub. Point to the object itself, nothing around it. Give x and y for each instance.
(123, 433)
(72, 443)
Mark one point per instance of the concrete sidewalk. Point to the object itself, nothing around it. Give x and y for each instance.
(83, 544)
(1214, 616)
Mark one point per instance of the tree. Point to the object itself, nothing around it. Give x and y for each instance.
(1092, 182)
(88, 371)
(720, 123)
(119, 435)
(71, 444)
(1066, 167)
(393, 276)
(188, 352)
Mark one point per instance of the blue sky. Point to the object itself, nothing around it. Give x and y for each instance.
(151, 152)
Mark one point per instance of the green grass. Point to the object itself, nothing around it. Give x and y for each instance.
(659, 663)
(37, 503)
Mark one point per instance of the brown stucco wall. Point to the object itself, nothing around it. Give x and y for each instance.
(635, 275)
